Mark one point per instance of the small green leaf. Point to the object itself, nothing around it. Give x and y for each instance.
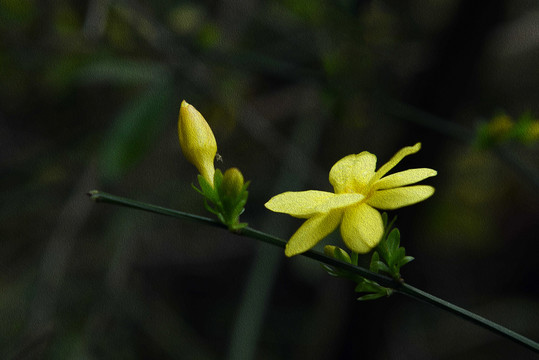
(383, 267)
(384, 219)
(383, 249)
(246, 185)
(239, 208)
(238, 226)
(375, 259)
(399, 254)
(197, 189)
(341, 255)
(367, 286)
(393, 241)
(207, 190)
(354, 258)
(388, 226)
(217, 179)
(405, 260)
(209, 208)
(371, 296)
(330, 270)
(391, 223)
(221, 217)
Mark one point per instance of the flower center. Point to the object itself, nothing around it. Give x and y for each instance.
(359, 188)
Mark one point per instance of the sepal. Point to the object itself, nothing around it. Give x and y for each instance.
(337, 253)
(226, 198)
(373, 290)
(390, 256)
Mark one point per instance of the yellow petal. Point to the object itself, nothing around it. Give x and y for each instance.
(403, 178)
(353, 172)
(408, 150)
(362, 228)
(339, 201)
(312, 231)
(399, 197)
(301, 204)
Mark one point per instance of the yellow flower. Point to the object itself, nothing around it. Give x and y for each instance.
(359, 191)
(197, 141)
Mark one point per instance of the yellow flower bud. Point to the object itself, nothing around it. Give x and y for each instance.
(197, 141)
(329, 250)
(337, 253)
(232, 183)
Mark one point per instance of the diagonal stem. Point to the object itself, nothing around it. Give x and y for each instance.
(400, 287)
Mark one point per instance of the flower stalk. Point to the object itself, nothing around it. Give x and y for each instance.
(393, 284)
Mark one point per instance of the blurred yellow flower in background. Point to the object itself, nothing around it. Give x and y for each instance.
(359, 191)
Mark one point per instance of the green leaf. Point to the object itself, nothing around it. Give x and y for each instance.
(367, 286)
(383, 249)
(217, 179)
(399, 254)
(383, 267)
(387, 226)
(341, 255)
(133, 133)
(354, 257)
(372, 296)
(221, 218)
(239, 208)
(207, 190)
(197, 189)
(393, 242)
(405, 260)
(391, 223)
(238, 226)
(120, 71)
(384, 219)
(209, 208)
(375, 259)
(330, 270)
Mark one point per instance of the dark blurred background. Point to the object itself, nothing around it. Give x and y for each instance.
(89, 97)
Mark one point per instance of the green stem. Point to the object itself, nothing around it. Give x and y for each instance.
(419, 294)
(400, 287)
(99, 196)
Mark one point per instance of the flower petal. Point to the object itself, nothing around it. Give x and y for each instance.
(353, 172)
(312, 231)
(399, 197)
(339, 201)
(362, 228)
(299, 204)
(408, 150)
(403, 178)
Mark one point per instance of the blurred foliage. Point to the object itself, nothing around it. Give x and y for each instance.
(502, 128)
(90, 97)
(133, 133)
